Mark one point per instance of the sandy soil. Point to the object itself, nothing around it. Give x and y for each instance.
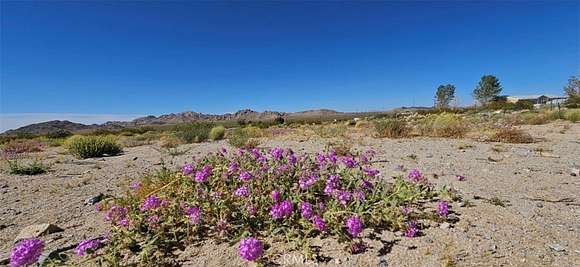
(539, 226)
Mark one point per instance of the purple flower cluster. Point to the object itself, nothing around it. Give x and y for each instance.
(343, 197)
(412, 229)
(251, 249)
(282, 210)
(332, 184)
(277, 153)
(415, 176)
(307, 182)
(26, 252)
(319, 223)
(233, 167)
(88, 246)
(242, 191)
(306, 210)
(370, 172)
(152, 202)
(194, 215)
(245, 176)
(187, 169)
(276, 196)
(117, 215)
(442, 208)
(354, 226)
(202, 175)
(349, 162)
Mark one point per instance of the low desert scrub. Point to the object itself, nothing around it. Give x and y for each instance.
(146, 138)
(92, 146)
(255, 196)
(193, 132)
(332, 130)
(20, 146)
(31, 168)
(217, 133)
(511, 135)
(170, 141)
(443, 125)
(244, 137)
(392, 128)
(572, 115)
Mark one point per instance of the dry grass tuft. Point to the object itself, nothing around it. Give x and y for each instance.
(392, 128)
(512, 135)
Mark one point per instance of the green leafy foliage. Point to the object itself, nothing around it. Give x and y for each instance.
(217, 133)
(444, 95)
(392, 128)
(488, 88)
(92, 146)
(32, 168)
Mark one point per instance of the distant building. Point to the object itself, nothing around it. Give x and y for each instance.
(537, 99)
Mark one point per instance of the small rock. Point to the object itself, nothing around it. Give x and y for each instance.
(338, 261)
(539, 205)
(575, 172)
(461, 204)
(94, 200)
(135, 158)
(37, 230)
(445, 225)
(557, 247)
(429, 156)
(549, 155)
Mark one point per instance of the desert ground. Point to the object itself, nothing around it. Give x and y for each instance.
(522, 208)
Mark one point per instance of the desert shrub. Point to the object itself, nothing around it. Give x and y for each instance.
(170, 141)
(443, 125)
(511, 135)
(572, 115)
(334, 130)
(533, 118)
(217, 133)
(573, 101)
(59, 134)
(244, 137)
(92, 146)
(265, 195)
(555, 115)
(193, 132)
(16, 147)
(392, 128)
(504, 105)
(32, 168)
(279, 120)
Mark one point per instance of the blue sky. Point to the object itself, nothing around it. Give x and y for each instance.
(135, 58)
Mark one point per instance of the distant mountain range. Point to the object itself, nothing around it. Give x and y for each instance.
(182, 117)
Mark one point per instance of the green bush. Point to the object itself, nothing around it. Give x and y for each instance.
(243, 138)
(92, 146)
(33, 168)
(193, 132)
(572, 115)
(217, 133)
(392, 128)
(573, 101)
(443, 125)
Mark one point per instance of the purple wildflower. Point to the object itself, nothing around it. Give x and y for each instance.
(187, 169)
(332, 184)
(251, 249)
(319, 223)
(442, 208)
(282, 210)
(349, 162)
(411, 230)
(26, 252)
(242, 191)
(320, 159)
(251, 210)
(363, 158)
(405, 210)
(151, 202)
(124, 222)
(460, 178)
(117, 215)
(343, 197)
(359, 195)
(305, 183)
(277, 153)
(201, 176)
(194, 215)
(276, 195)
(306, 210)
(245, 176)
(88, 246)
(354, 226)
(153, 221)
(233, 167)
(135, 185)
(292, 159)
(332, 157)
(365, 184)
(370, 172)
(415, 175)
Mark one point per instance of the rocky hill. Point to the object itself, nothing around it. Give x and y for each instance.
(174, 118)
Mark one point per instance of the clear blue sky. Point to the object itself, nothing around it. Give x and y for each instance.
(154, 58)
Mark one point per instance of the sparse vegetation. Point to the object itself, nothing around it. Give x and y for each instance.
(193, 132)
(244, 137)
(572, 115)
(32, 168)
(392, 128)
(512, 135)
(217, 133)
(443, 125)
(92, 146)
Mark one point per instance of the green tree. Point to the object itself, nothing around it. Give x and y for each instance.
(573, 86)
(488, 88)
(444, 95)
(572, 89)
